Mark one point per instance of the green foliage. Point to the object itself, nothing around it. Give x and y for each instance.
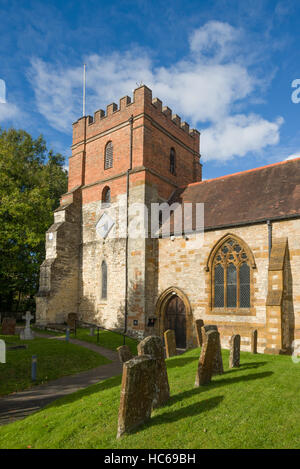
(31, 181)
(255, 406)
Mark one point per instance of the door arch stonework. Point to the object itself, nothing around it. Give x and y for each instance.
(160, 312)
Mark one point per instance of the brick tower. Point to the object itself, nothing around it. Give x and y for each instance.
(139, 149)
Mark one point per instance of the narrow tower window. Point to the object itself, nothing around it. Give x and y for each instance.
(172, 161)
(108, 158)
(106, 195)
(104, 280)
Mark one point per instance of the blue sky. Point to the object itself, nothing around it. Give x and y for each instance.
(226, 67)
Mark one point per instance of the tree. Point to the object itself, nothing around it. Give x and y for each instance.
(32, 179)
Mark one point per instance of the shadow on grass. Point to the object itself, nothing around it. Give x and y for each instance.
(188, 411)
(246, 366)
(220, 382)
(178, 414)
(252, 377)
(181, 362)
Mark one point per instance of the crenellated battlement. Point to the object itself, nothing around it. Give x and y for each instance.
(142, 102)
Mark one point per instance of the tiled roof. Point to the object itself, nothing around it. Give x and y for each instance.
(270, 192)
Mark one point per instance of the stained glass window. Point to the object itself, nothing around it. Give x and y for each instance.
(219, 286)
(231, 277)
(245, 286)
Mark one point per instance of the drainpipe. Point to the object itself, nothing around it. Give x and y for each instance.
(269, 223)
(127, 224)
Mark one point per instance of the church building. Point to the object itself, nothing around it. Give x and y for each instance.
(241, 272)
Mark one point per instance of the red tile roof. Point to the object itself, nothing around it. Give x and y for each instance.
(270, 192)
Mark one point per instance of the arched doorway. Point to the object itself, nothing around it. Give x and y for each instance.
(173, 311)
(175, 319)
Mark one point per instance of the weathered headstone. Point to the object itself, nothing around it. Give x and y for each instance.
(27, 334)
(207, 358)
(153, 347)
(218, 361)
(72, 318)
(124, 353)
(254, 341)
(137, 393)
(2, 351)
(8, 326)
(235, 350)
(170, 343)
(198, 325)
(92, 331)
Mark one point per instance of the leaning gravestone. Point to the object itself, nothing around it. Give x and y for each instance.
(8, 326)
(137, 393)
(218, 361)
(207, 357)
(170, 343)
(254, 341)
(235, 349)
(27, 334)
(199, 324)
(153, 347)
(124, 353)
(2, 351)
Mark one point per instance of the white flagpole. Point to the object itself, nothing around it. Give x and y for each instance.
(84, 82)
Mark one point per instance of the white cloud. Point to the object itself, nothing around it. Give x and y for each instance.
(215, 41)
(293, 156)
(8, 112)
(207, 87)
(237, 135)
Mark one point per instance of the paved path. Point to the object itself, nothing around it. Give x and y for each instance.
(19, 405)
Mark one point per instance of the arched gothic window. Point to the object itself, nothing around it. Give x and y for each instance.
(106, 195)
(231, 283)
(108, 157)
(172, 161)
(104, 280)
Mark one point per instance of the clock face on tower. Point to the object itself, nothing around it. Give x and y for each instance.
(104, 225)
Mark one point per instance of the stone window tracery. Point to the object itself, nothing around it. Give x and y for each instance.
(231, 277)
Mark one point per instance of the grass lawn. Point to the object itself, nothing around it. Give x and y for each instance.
(107, 339)
(55, 359)
(256, 406)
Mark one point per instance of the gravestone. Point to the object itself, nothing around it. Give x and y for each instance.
(137, 393)
(2, 351)
(8, 326)
(218, 361)
(235, 350)
(199, 324)
(72, 318)
(153, 347)
(92, 331)
(124, 353)
(27, 334)
(207, 358)
(170, 343)
(254, 341)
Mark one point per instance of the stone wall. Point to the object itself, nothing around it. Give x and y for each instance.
(184, 267)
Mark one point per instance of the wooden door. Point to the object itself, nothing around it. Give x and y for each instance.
(175, 319)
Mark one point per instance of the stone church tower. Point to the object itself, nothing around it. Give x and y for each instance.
(139, 149)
